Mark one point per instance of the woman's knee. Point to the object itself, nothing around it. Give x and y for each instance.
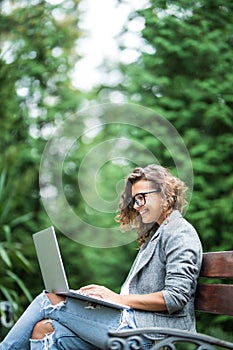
(54, 298)
(42, 328)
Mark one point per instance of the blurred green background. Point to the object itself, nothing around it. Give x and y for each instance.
(183, 70)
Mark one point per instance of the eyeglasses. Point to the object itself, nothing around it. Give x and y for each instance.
(140, 198)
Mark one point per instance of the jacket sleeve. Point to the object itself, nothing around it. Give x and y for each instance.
(183, 253)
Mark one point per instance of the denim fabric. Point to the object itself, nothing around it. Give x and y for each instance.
(61, 338)
(76, 326)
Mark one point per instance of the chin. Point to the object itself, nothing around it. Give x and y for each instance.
(148, 222)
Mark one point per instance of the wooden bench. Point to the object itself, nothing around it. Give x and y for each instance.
(215, 298)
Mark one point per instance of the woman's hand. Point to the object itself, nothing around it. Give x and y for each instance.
(94, 290)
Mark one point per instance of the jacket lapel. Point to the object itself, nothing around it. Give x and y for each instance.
(144, 256)
(147, 251)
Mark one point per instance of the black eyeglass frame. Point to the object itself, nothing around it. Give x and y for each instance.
(134, 200)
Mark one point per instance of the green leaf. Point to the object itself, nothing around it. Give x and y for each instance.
(23, 260)
(22, 219)
(10, 295)
(20, 284)
(2, 182)
(4, 256)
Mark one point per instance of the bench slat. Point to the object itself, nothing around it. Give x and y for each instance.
(217, 264)
(215, 298)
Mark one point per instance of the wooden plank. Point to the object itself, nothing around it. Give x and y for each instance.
(215, 298)
(217, 265)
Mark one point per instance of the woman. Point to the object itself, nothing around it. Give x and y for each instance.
(160, 286)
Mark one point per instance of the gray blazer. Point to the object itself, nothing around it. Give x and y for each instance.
(170, 262)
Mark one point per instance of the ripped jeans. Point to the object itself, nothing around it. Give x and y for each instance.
(76, 326)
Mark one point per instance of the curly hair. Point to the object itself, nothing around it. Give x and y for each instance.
(173, 197)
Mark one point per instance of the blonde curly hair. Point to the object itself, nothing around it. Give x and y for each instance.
(173, 197)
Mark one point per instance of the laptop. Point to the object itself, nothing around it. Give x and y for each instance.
(53, 272)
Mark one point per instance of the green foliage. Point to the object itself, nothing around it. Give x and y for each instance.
(87, 265)
(36, 61)
(13, 261)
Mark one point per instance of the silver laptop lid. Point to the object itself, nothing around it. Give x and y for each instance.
(50, 261)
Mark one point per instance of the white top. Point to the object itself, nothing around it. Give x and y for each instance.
(125, 287)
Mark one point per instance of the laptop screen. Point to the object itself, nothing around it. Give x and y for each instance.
(50, 261)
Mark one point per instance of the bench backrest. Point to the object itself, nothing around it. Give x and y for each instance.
(216, 297)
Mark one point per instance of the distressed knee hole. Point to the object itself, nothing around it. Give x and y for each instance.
(46, 343)
(42, 328)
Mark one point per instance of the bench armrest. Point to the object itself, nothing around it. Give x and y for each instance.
(132, 339)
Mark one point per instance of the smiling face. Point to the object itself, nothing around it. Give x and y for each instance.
(151, 210)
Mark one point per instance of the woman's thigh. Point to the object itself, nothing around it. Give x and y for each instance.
(91, 324)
